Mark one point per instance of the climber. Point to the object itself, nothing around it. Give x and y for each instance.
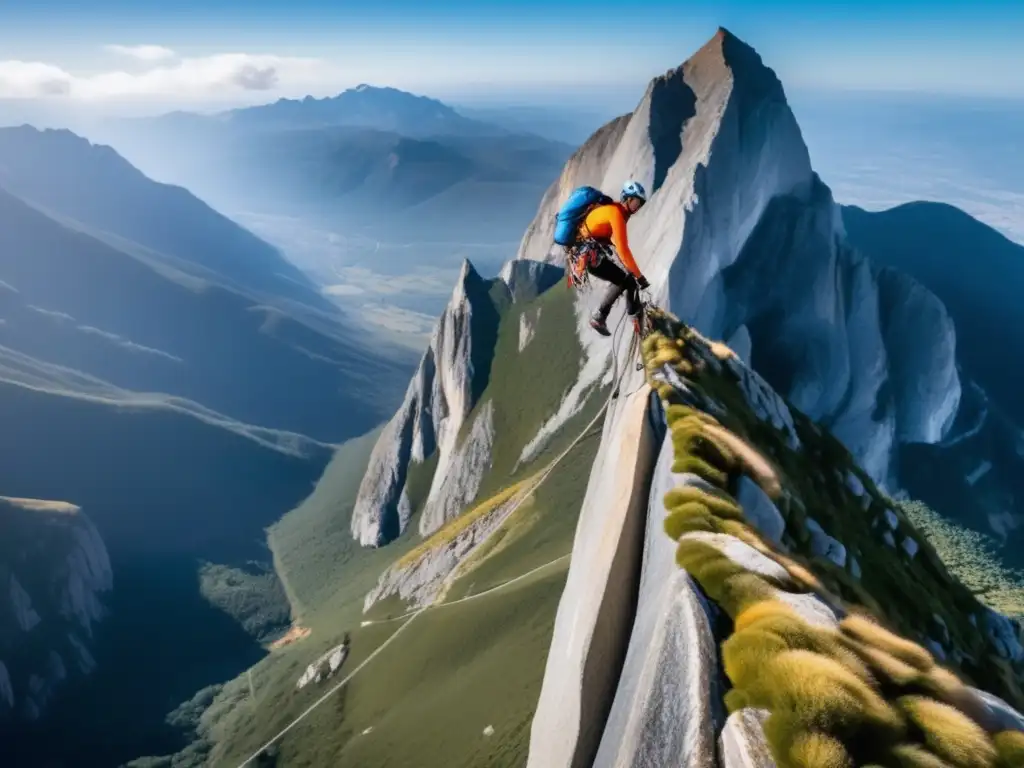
(603, 226)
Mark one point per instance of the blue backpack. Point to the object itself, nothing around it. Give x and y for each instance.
(573, 211)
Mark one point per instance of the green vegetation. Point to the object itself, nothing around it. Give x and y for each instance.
(456, 526)
(1010, 746)
(540, 531)
(972, 557)
(858, 694)
(460, 666)
(313, 544)
(254, 598)
(456, 671)
(527, 387)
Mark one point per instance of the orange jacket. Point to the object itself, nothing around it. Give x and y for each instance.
(608, 223)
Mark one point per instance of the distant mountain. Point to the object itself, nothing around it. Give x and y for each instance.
(375, 159)
(100, 191)
(378, 173)
(365, 106)
(563, 124)
(172, 376)
(448, 188)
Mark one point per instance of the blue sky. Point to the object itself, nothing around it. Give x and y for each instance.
(216, 52)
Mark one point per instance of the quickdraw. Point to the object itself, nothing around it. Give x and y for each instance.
(579, 258)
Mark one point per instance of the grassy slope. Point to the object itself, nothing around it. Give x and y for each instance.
(430, 695)
(234, 355)
(527, 387)
(458, 668)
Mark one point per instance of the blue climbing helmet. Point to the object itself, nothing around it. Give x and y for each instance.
(633, 189)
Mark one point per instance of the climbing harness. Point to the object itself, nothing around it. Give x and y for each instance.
(580, 258)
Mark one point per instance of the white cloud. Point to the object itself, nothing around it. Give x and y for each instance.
(217, 76)
(30, 79)
(141, 52)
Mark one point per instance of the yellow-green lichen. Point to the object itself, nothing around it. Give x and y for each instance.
(858, 694)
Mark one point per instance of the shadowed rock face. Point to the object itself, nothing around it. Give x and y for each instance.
(54, 576)
(741, 237)
(666, 706)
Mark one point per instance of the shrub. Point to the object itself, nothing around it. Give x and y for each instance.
(698, 466)
(948, 733)
(771, 621)
(1010, 749)
(767, 610)
(818, 693)
(885, 666)
(817, 750)
(725, 582)
(717, 504)
(914, 756)
(665, 355)
(690, 436)
(687, 518)
(872, 634)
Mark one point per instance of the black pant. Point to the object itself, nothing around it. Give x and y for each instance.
(621, 282)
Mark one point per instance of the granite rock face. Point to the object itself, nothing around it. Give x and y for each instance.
(741, 239)
(742, 743)
(669, 693)
(760, 511)
(433, 421)
(595, 616)
(55, 575)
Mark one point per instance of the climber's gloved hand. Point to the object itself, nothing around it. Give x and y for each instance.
(641, 281)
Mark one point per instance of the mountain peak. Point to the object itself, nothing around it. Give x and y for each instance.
(469, 286)
(365, 106)
(468, 271)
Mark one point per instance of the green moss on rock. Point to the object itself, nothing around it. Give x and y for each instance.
(861, 694)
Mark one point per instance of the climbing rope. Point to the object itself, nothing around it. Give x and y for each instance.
(585, 432)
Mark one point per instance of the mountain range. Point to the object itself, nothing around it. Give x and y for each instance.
(538, 546)
(371, 165)
(552, 556)
(170, 385)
